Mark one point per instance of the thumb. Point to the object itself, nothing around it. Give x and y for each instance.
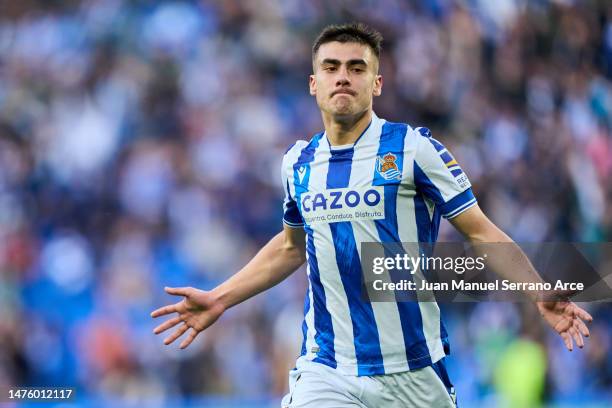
(178, 291)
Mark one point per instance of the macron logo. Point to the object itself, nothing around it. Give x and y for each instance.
(301, 173)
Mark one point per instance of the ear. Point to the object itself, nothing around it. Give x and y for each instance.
(378, 83)
(312, 84)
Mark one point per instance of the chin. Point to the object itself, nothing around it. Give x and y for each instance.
(343, 110)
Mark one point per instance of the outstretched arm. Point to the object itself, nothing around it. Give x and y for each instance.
(199, 309)
(565, 317)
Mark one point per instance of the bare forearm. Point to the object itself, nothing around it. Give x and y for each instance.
(510, 262)
(504, 256)
(273, 263)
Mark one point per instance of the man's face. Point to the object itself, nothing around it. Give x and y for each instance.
(345, 78)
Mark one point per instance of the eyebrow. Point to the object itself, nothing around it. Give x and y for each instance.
(350, 62)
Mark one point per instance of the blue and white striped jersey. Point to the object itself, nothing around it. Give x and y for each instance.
(392, 185)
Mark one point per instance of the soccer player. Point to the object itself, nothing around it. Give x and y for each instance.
(363, 179)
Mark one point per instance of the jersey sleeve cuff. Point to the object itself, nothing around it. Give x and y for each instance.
(293, 224)
(458, 204)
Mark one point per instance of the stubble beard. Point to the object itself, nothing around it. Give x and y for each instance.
(342, 106)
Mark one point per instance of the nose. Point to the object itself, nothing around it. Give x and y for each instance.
(343, 81)
(343, 78)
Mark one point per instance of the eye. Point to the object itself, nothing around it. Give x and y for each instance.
(329, 69)
(358, 70)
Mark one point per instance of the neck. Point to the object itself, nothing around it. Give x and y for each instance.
(346, 129)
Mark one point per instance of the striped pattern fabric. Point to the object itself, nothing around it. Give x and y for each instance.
(393, 185)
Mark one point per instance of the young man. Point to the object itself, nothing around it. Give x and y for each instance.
(393, 183)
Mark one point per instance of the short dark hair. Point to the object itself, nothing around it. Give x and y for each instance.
(352, 32)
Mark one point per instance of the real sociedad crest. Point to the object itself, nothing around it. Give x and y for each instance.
(386, 167)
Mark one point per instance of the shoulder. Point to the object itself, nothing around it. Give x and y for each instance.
(416, 137)
(419, 132)
(396, 131)
(423, 131)
(293, 152)
(297, 145)
(427, 140)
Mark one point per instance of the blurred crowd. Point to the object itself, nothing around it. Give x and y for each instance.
(140, 146)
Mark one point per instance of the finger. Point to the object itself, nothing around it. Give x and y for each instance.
(577, 337)
(192, 335)
(177, 291)
(567, 339)
(579, 324)
(167, 325)
(178, 333)
(583, 314)
(162, 311)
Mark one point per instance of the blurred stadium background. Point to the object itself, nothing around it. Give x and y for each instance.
(140, 145)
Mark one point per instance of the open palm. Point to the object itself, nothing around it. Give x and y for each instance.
(197, 311)
(567, 319)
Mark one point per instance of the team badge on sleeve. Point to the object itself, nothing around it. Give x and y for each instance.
(387, 168)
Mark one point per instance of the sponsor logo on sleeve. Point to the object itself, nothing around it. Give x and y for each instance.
(455, 169)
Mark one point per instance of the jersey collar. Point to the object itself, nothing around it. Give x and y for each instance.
(368, 133)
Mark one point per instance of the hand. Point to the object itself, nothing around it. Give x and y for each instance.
(198, 310)
(567, 319)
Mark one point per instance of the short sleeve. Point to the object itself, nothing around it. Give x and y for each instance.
(440, 178)
(291, 212)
